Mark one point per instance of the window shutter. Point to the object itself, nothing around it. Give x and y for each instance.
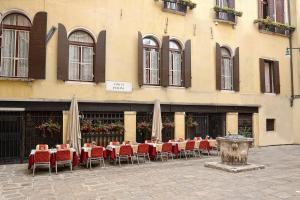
(140, 59)
(0, 43)
(165, 61)
(218, 66)
(280, 11)
(37, 47)
(276, 78)
(260, 8)
(236, 70)
(62, 54)
(262, 75)
(187, 65)
(231, 4)
(271, 8)
(100, 58)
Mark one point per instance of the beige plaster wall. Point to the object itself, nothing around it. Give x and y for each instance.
(123, 19)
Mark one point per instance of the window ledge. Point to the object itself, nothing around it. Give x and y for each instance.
(270, 94)
(176, 87)
(224, 22)
(272, 33)
(16, 79)
(173, 11)
(150, 86)
(228, 91)
(79, 83)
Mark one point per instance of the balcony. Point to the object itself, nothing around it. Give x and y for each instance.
(268, 25)
(178, 6)
(226, 15)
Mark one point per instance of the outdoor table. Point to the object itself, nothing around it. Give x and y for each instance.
(153, 148)
(212, 143)
(113, 150)
(75, 160)
(85, 151)
(177, 147)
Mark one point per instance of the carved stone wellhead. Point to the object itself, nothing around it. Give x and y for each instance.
(234, 149)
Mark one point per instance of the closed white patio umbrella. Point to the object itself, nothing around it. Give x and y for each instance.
(157, 122)
(74, 134)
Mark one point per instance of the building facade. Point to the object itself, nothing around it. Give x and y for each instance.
(216, 66)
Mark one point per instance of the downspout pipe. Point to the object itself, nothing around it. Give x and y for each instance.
(292, 98)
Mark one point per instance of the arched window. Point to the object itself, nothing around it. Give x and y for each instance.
(226, 69)
(151, 61)
(81, 56)
(15, 46)
(175, 64)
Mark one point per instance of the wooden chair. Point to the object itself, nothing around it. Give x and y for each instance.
(63, 157)
(42, 159)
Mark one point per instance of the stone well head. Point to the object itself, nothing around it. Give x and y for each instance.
(234, 149)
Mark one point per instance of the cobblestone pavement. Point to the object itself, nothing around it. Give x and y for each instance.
(178, 179)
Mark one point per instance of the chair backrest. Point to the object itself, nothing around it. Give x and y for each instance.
(190, 145)
(41, 147)
(125, 150)
(114, 143)
(63, 146)
(87, 145)
(143, 148)
(42, 156)
(63, 155)
(97, 152)
(167, 147)
(204, 145)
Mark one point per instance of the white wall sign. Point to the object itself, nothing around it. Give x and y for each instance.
(118, 86)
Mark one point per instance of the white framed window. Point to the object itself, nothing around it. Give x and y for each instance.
(15, 46)
(151, 61)
(175, 64)
(81, 56)
(226, 69)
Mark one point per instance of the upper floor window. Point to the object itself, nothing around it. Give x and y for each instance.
(175, 63)
(178, 6)
(151, 61)
(269, 76)
(222, 10)
(226, 69)
(81, 56)
(15, 46)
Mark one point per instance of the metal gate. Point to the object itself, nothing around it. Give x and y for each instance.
(11, 137)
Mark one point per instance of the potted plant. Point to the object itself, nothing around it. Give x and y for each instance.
(190, 123)
(117, 127)
(144, 126)
(270, 24)
(86, 126)
(168, 124)
(49, 127)
(228, 11)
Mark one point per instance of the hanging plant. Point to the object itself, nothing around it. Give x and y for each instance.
(86, 126)
(191, 123)
(49, 127)
(228, 10)
(188, 3)
(168, 124)
(144, 126)
(101, 128)
(117, 126)
(269, 22)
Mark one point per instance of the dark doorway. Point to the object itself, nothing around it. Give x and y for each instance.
(11, 131)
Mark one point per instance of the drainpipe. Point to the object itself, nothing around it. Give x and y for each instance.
(292, 98)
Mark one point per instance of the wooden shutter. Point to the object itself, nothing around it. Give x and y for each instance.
(276, 78)
(280, 11)
(260, 8)
(140, 59)
(218, 66)
(37, 47)
(187, 65)
(0, 43)
(100, 58)
(271, 8)
(231, 3)
(262, 75)
(62, 54)
(165, 61)
(236, 70)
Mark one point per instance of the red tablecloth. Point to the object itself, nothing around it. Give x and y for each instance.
(84, 156)
(75, 160)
